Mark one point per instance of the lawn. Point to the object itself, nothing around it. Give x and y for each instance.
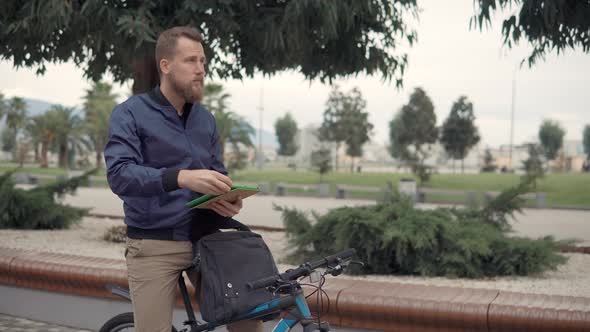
(570, 189)
(4, 167)
(34, 169)
(562, 189)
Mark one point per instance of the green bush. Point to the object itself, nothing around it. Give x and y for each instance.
(396, 238)
(36, 208)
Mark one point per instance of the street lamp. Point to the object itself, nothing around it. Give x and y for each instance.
(512, 115)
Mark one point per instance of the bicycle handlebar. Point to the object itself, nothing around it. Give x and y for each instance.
(303, 270)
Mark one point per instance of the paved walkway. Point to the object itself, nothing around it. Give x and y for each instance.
(11, 323)
(258, 210)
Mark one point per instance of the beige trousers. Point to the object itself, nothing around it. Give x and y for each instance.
(153, 268)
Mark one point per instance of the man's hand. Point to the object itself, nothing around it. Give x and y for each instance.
(226, 208)
(204, 181)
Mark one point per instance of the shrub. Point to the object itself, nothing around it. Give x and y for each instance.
(36, 208)
(116, 234)
(396, 238)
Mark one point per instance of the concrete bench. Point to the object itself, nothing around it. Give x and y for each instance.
(323, 189)
(25, 178)
(537, 198)
(470, 197)
(343, 189)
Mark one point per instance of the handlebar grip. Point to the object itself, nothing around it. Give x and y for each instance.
(303, 270)
(261, 283)
(333, 258)
(342, 255)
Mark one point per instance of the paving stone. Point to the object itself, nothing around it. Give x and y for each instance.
(18, 324)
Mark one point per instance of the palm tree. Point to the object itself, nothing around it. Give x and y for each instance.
(42, 132)
(98, 105)
(33, 132)
(2, 106)
(231, 127)
(214, 98)
(67, 127)
(16, 115)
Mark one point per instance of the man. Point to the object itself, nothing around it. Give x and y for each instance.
(162, 150)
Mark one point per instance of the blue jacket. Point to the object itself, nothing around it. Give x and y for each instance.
(148, 144)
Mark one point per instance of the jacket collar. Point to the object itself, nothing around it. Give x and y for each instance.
(158, 97)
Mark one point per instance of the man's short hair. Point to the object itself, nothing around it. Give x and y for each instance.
(166, 44)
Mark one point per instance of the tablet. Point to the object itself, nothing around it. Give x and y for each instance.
(237, 191)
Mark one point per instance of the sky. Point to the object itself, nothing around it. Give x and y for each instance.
(447, 61)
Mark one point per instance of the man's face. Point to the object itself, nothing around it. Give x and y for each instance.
(186, 70)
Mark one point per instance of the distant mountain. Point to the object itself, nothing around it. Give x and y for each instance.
(36, 106)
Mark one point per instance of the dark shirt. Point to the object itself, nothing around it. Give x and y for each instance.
(147, 146)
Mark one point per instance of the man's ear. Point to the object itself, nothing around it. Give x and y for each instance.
(164, 66)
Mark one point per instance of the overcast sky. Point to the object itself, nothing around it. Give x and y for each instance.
(448, 60)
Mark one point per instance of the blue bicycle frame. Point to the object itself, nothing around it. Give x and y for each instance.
(299, 314)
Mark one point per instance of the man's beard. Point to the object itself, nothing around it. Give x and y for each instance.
(186, 91)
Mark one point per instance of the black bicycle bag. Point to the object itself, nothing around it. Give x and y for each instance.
(227, 261)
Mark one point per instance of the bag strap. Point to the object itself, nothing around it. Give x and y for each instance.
(206, 222)
(231, 223)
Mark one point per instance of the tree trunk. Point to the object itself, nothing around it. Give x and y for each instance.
(351, 164)
(98, 158)
(44, 148)
(336, 157)
(145, 72)
(454, 165)
(36, 151)
(63, 155)
(14, 147)
(462, 166)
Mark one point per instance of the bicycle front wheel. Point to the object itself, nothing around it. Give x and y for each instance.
(121, 323)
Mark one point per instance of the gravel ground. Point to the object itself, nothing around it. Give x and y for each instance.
(572, 278)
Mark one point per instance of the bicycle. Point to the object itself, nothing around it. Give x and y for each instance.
(287, 285)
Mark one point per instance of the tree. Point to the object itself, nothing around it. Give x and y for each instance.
(321, 161)
(99, 102)
(459, 133)
(488, 162)
(587, 141)
(2, 106)
(231, 127)
(67, 127)
(332, 128)
(34, 134)
(215, 99)
(533, 166)
(356, 125)
(412, 131)
(42, 132)
(286, 129)
(321, 39)
(345, 122)
(8, 140)
(240, 135)
(16, 115)
(546, 25)
(551, 137)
